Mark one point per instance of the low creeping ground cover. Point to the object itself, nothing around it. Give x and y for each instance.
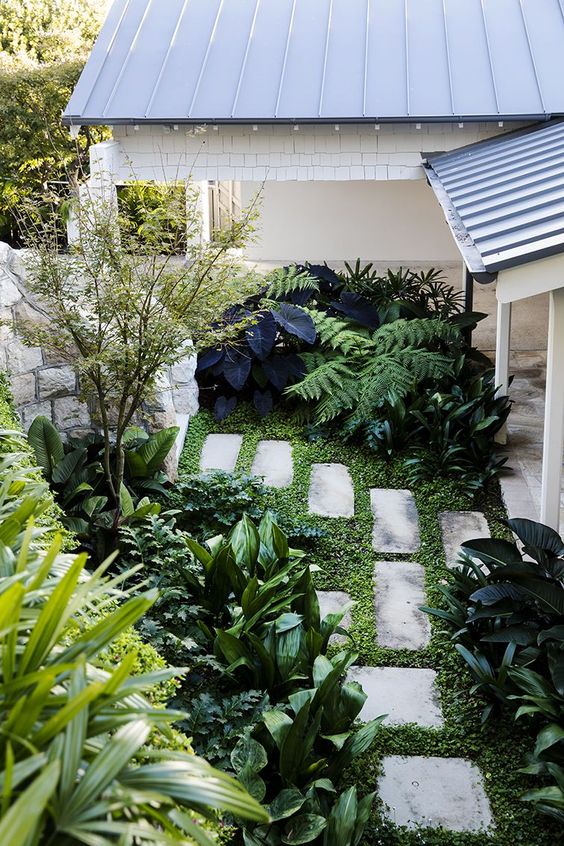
(343, 552)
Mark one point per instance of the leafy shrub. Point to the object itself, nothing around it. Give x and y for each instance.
(79, 480)
(141, 204)
(37, 155)
(444, 433)
(75, 760)
(265, 360)
(247, 600)
(210, 503)
(506, 607)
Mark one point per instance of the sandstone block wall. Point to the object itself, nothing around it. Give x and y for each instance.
(43, 386)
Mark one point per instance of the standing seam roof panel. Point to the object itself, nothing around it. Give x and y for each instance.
(248, 60)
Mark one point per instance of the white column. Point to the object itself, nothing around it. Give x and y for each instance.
(100, 187)
(502, 350)
(553, 414)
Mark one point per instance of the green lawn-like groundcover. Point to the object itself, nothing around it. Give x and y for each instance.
(347, 560)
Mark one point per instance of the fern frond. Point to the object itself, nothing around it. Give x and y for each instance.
(326, 379)
(383, 378)
(412, 333)
(424, 364)
(285, 281)
(338, 334)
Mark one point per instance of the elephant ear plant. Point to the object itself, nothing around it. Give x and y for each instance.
(76, 476)
(77, 760)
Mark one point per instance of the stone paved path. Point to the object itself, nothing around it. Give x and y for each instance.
(273, 461)
(220, 452)
(399, 591)
(396, 524)
(331, 492)
(416, 791)
(458, 527)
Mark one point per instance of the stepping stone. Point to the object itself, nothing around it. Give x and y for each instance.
(331, 492)
(399, 591)
(396, 523)
(273, 461)
(433, 792)
(458, 527)
(405, 694)
(220, 452)
(332, 602)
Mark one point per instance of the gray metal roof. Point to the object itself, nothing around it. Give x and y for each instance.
(219, 61)
(504, 198)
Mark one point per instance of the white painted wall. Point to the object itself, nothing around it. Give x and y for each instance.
(396, 221)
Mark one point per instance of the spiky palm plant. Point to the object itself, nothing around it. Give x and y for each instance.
(76, 761)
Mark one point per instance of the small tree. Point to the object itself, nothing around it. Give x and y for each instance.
(123, 303)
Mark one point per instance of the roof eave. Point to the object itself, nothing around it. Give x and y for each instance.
(105, 120)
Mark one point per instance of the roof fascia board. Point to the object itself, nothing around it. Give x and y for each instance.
(464, 242)
(84, 120)
(527, 280)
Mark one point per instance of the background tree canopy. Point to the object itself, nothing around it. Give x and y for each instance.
(44, 44)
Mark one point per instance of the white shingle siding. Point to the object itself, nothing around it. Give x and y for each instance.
(281, 153)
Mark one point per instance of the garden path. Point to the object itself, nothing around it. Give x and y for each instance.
(415, 790)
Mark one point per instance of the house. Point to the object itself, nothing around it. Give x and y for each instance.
(355, 116)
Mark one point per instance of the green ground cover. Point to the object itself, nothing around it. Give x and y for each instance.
(347, 560)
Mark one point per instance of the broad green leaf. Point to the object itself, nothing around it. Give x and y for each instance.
(46, 443)
(303, 829)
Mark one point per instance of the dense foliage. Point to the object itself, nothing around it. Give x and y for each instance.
(48, 31)
(121, 308)
(84, 753)
(77, 477)
(43, 45)
(507, 609)
(381, 357)
(243, 611)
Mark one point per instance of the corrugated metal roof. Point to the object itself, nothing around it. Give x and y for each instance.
(314, 60)
(504, 198)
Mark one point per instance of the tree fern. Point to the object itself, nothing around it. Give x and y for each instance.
(285, 281)
(357, 373)
(412, 333)
(337, 333)
(323, 380)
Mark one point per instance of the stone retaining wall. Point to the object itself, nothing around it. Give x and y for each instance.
(44, 386)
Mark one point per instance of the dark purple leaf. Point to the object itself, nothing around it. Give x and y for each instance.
(262, 335)
(236, 368)
(263, 402)
(325, 275)
(224, 406)
(259, 375)
(281, 369)
(209, 358)
(295, 321)
(358, 308)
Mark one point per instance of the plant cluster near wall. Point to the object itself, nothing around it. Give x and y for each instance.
(90, 752)
(377, 357)
(121, 307)
(506, 607)
(244, 612)
(77, 478)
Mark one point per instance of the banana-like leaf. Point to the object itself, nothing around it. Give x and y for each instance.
(46, 444)
(157, 447)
